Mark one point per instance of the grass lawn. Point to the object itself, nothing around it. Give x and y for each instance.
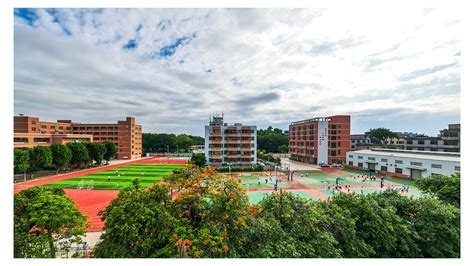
(152, 173)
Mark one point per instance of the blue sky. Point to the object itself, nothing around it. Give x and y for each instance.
(170, 68)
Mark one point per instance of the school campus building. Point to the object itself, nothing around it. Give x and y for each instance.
(230, 145)
(405, 163)
(29, 132)
(321, 139)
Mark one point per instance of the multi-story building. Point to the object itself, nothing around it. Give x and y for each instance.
(126, 135)
(359, 139)
(230, 145)
(404, 163)
(448, 140)
(321, 139)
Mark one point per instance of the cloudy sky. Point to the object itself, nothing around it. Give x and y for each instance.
(170, 68)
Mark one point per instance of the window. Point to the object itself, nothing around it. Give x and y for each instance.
(421, 141)
(333, 153)
(384, 160)
(33, 122)
(371, 158)
(360, 157)
(350, 162)
(434, 142)
(457, 168)
(383, 168)
(398, 161)
(438, 166)
(399, 170)
(360, 164)
(416, 163)
(43, 126)
(351, 156)
(33, 129)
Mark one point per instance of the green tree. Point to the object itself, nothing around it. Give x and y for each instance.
(40, 158)
(96, 152)
(45, 222)
(380, 135)
(184, 142)
(283, 148)
(436, 224)
(61, 156)
(271, 139)
(287, 226)
(137, 224)
(80, 154)
(199, 159)
(111, 150)
(445, 188)
(386, 233)
(21, 161)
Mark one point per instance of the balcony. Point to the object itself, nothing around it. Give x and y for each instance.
(246, 141)
(233, 141)
(232, 148)
(216, 141)
(246, 134)
(215, 134)
(216, 149)
(216, 156)
(232, 134)
(247, 155)
(232, 156)
(246, 148)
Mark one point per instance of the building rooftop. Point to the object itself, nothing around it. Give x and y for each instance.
(426, 155)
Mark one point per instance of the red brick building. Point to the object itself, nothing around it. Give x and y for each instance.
(321, 139)
(126, 135)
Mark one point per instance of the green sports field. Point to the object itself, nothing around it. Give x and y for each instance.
(119, 177)
(251, 182)
(320, 178)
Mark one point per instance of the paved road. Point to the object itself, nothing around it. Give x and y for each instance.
(298, 165)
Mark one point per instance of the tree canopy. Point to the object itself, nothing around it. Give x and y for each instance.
(61, 155)
(96, 151)
(110, 150)
(45, 222)
(21, 161)
(380, 135)
(80, 154)
(445, 188)
(272, 140)
(198, 159)
(40, 157)
(152, 142)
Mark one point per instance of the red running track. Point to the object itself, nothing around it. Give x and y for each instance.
(90, 202)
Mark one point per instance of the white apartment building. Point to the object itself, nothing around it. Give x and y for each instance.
(230, 145)
(404, 163)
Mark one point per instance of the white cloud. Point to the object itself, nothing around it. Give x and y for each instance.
(256, 65)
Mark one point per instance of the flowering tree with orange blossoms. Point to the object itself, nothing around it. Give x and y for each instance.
(213, 211)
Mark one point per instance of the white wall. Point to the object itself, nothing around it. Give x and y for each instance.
(206, 142)
(448, 167)
(322, 142)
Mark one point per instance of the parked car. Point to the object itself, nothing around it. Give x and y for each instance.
(323, 165)
(336, 165)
